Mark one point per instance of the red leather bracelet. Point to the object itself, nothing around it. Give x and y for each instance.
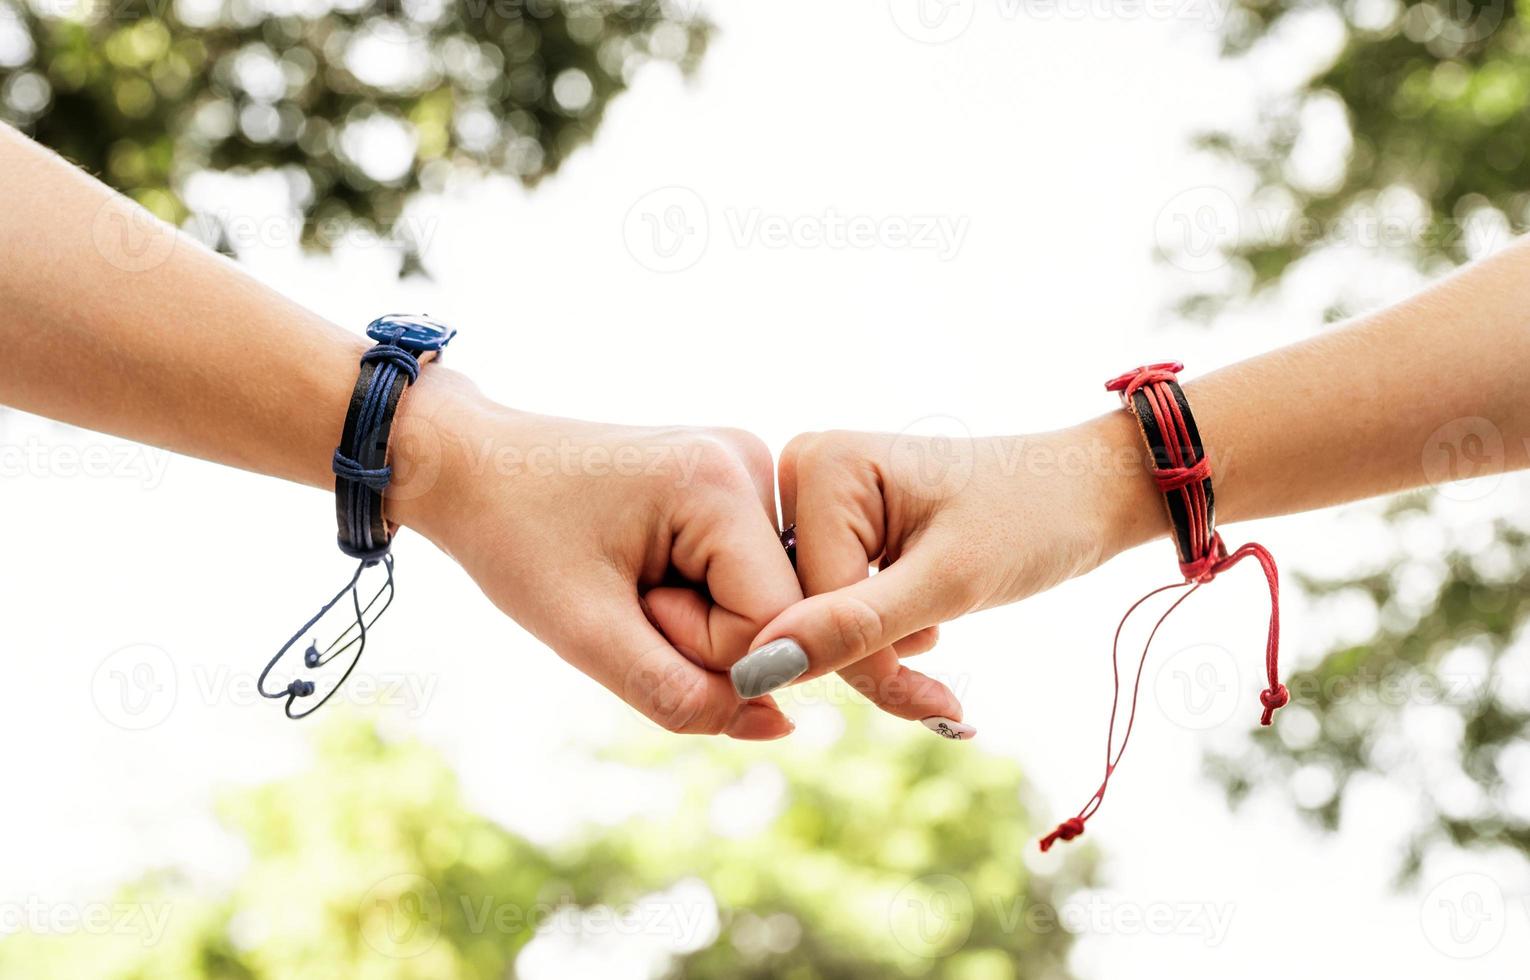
(1182, 471)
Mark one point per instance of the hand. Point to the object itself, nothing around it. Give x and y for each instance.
(955, 526)
(600, 540)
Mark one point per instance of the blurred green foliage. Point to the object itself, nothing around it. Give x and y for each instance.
(358, 104)
(1436, 95)
(1436, 98)
(1436, 703)
(889, 853)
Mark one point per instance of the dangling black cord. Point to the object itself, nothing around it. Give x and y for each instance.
(312, 657)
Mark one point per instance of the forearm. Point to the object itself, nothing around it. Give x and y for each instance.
(116, 323)
(1359, 411)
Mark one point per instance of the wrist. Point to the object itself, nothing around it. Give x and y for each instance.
(440, 419)
(1124, 501)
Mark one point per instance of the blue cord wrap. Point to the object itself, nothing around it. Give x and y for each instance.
(362, 473)
(360, 488)
(349, 469)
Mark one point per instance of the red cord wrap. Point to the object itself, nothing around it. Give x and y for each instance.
(1188, 477)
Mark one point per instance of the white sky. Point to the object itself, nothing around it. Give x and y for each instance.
(1053, 144)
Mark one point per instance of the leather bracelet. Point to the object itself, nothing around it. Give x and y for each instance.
(362, 474)
(1181, 469)
(360, 463)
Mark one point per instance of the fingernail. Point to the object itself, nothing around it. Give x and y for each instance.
(773, 665)
(946, 728)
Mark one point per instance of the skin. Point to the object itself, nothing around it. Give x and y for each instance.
(648, 558)
(116, 323)
(1377, 406)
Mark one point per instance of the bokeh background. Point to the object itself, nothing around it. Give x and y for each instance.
(927, 215)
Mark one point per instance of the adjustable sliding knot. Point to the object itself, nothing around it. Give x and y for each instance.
(1128, 383)
(1273, 699)
(1067, 830)
(397, 356)
(1209, 565)
(348, 469)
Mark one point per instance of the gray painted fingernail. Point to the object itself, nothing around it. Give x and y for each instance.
(946, 728)
(773, 665)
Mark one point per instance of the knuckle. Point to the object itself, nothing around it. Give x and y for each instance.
(677, 701)
(714, 461)
(819, 451)
(856, 626)
(748, 447)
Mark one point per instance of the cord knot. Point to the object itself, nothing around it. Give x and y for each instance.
(1128, 383)
(1273, 698)
(1067, 830)
(395, 355)
(1178, 477)
(348, 469)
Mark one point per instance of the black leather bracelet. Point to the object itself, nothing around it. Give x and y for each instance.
(1179, 458)
(362, 474)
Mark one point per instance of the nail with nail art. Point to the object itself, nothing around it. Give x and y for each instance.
(947, 728)
(773, 665)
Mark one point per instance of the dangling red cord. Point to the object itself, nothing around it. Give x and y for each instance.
(1189, 477)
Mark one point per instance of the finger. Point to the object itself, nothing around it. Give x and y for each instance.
(757, 461)
(786, 484)
(618, 647)
(734, 548)
(920, 641)
(902, 691)
(685, 618)
(835, 629)
(839, 528)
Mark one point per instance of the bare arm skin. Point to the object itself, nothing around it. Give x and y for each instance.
(114, 322)
(1372, 407)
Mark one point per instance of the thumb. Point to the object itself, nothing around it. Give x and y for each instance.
(834, 629)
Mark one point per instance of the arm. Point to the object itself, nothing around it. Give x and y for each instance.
(1374, 407)
(1358, 411)
(115, 322)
